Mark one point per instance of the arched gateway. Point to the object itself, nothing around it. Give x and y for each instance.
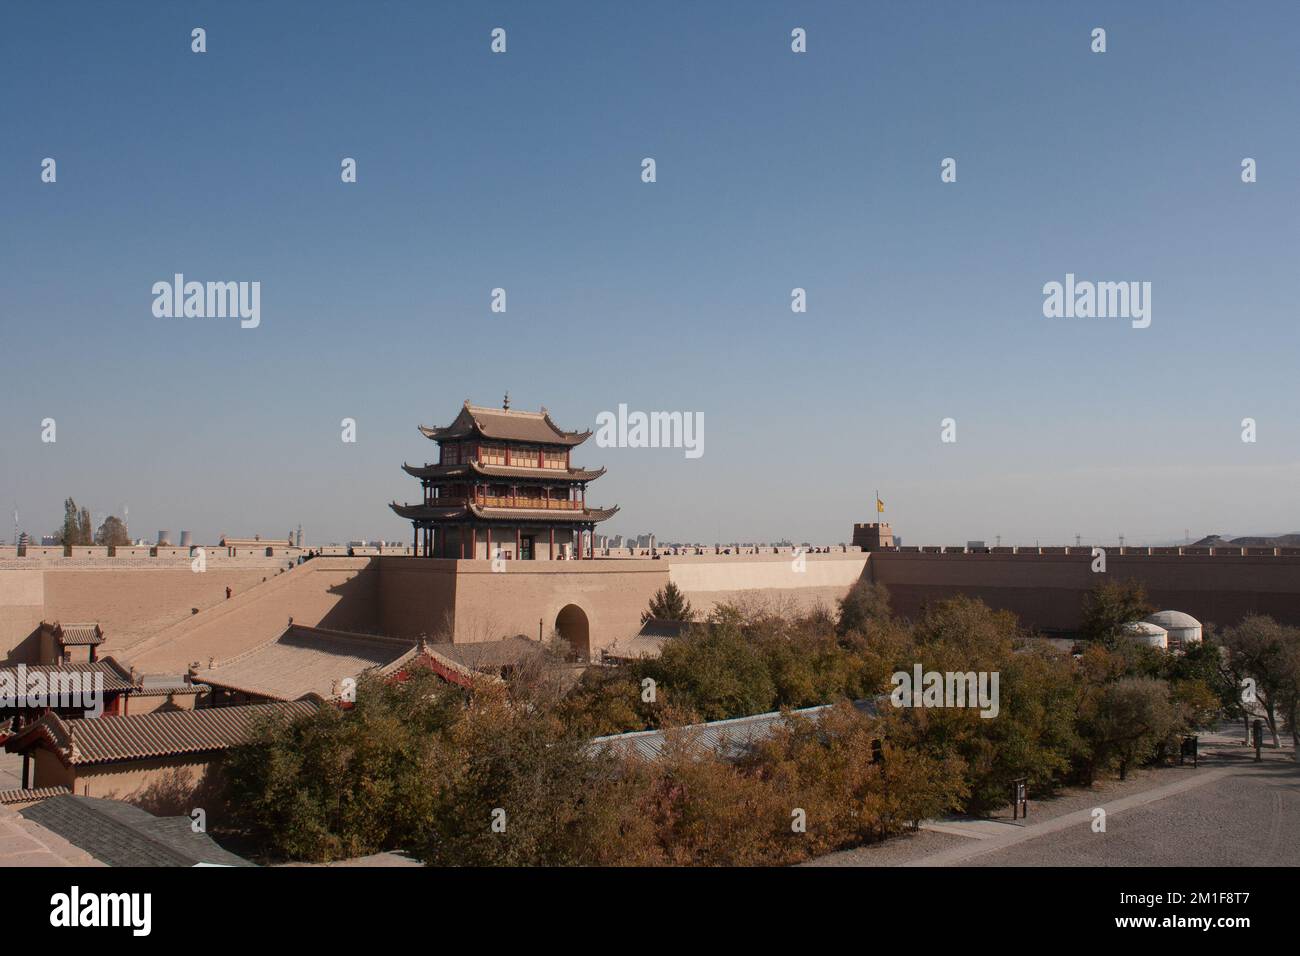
(572, 625)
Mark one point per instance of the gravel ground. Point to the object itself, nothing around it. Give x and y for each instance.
(893, 852)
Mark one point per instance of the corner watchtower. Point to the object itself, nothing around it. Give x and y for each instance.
(873, 536)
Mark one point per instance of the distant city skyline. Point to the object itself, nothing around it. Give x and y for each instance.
(775, 171)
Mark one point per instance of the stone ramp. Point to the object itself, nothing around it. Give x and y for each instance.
(336, 593)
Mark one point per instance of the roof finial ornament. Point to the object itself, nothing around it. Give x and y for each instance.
(505, 405)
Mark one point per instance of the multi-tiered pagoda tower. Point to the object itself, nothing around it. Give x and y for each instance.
(503, 487)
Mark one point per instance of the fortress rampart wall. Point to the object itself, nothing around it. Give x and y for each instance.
(337, 593)
(1045, 587)
(131, 602)
(145, 610)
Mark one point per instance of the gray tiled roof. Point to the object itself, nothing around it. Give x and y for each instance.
(120, 834)
(491, 655)
(159, 734)
(306, 660)
(71, 635)
(650, 640)
(117, 679)
(729, 739)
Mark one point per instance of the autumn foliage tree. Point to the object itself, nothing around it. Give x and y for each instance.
(508, 774)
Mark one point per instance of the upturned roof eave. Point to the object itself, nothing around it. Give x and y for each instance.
(517, 472)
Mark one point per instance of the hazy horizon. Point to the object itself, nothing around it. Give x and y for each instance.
(775, 171)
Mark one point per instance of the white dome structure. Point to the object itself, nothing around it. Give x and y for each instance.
(1141, 632)
(1183, 629)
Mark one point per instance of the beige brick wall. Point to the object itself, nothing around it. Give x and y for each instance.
(1046, 590)
(338, 593)
(125, 781)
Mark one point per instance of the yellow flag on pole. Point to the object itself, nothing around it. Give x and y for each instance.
(880, 507)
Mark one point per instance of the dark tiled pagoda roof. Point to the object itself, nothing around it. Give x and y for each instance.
(426, 512)
(436, 513)
(503, 471)
(534, 428)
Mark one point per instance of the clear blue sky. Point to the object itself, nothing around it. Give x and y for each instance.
(775, 170)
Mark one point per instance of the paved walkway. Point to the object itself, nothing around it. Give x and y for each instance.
(11, 771)
(1230, 811)
(24, 843)
(991, 836)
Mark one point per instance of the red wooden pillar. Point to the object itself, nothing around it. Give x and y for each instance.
(551, 554)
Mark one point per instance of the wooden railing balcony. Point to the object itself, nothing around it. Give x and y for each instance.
(540, 504)
(524, 463)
